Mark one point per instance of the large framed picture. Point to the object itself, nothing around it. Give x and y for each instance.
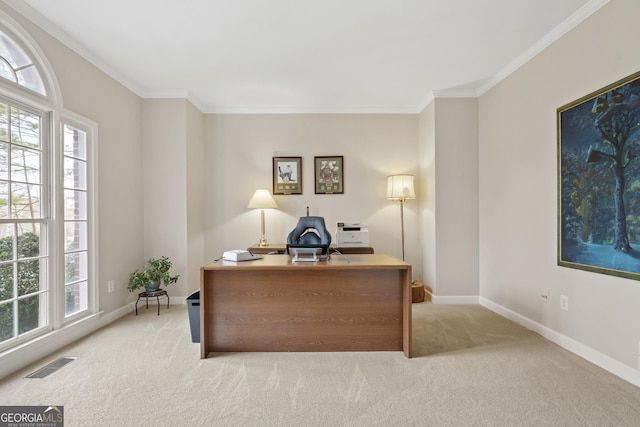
(287, 175)
(599, 180)
(329, 175)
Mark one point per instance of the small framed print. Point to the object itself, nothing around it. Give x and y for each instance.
(287, 175)
(329, 174)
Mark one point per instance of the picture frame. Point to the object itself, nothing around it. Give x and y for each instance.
(287, 175)
(329, 174)
(599, 180)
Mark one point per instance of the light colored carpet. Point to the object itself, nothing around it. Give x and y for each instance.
(471, 367)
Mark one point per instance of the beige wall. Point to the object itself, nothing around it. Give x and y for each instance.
(427, 193)
(518, 189)
(195, 202)
(172, 165)
(238, 155)
(451, 150)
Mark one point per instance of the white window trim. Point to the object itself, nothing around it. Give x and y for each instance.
(46, 176)
(91, 129)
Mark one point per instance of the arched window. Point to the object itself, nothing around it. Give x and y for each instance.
(17, 67)
(46, 217)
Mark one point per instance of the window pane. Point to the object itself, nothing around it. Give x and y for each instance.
(75, 204)
(4, 122)
(16, 66)
(25, 165)
(6, 321)
(75, 142)
(75, 236)
(75, 267)
(30, 78)
(25, 128)
(75, 298)
(12, 52)
(28, 313)
(75, 173)
(4, 160)
(4, 199)
(6, 71)
(6, 242)
(6, 281)
(29, 240)
(25, 201)
(28, 277)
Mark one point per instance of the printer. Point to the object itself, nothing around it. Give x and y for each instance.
(352, 234)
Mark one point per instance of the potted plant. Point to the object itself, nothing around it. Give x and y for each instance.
(154, 273)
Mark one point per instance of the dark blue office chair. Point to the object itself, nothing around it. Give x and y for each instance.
(310, 232)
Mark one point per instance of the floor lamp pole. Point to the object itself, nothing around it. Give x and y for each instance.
(400, 188)
(402, 224)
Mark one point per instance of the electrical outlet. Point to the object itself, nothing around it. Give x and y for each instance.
(110, 286)
(564, 302)
(545, 294)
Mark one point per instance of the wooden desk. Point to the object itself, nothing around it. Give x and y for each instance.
(281, 248)
(348, 303)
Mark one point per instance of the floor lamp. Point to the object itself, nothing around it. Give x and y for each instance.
(262, 199)
(400, 188)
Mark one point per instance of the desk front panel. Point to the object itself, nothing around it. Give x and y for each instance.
(305, 309)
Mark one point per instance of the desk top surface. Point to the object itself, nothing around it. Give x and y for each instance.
(334, 262)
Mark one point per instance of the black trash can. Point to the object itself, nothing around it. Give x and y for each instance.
(193, 307)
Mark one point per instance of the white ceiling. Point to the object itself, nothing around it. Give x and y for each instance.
(342, 56)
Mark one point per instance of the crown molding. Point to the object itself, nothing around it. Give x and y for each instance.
(567, 25)
(455, 93)
(428, 99)
(176, 94)
(52, 29)
(310, 110)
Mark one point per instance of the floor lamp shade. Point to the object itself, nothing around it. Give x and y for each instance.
(400, 188)
(262, 199)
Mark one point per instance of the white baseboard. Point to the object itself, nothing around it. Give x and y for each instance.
(179, 300)
(607, 363)
(173, 299)
(455, 300)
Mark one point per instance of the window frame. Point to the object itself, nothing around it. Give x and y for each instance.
(45, 221)
(90, 128)
(55, 117)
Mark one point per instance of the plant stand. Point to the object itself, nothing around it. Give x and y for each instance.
(157, 294)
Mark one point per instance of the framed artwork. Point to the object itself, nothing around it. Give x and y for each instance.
(287, 175)
(329, 175)
(599, 180)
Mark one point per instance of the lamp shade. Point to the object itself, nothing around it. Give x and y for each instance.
(262, 199)
(400, 187)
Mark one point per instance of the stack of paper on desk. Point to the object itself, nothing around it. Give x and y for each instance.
(239, 255)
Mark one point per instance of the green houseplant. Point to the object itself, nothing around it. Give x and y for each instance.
(154, 273)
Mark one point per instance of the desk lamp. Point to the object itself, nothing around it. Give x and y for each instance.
(262, 199)
(400, 188)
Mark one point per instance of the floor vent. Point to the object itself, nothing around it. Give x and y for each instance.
(51, 367)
